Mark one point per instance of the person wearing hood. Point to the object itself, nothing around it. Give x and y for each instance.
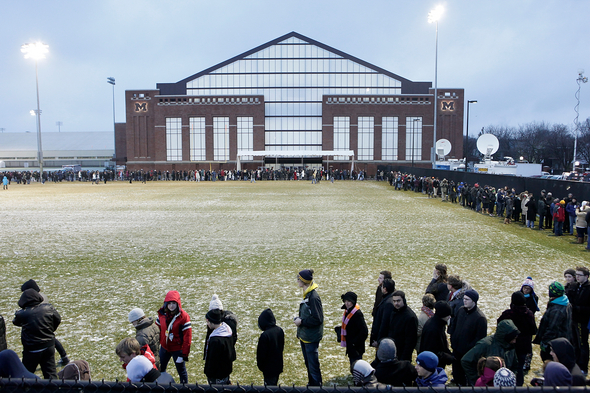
(429, 375)
(220, 353)
(524, 320)
(58, 345)
(434, 334)
(39, 321)
(147, 332)
(557, 320)
(310, 326)
(562, 351)
(499, 344)
(403, 326)
(269, 352)
(391, 371)
(364, 375)
(12, 367)
(380, 328)
(77, 370)
(556, 374)
(467, 328)
(531, 298)
(175, 334)
(353, 331)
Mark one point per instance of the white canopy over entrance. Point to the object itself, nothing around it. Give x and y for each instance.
(295, 153)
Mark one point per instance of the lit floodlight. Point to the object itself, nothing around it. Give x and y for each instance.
(35, 51)
(435, 14)
(32, 112)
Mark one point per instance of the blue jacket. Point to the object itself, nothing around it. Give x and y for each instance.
(436, 379)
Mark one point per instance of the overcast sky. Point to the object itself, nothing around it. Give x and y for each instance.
(518, 59)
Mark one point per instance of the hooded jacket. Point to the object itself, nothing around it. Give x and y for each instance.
(38, 321)
(566, 355)
(497, 344)
(487, 378)
(175, 329)
(220, 353)
(524, 320)
(271, 344)
(403, 330)
(148, 333)
(556, 322)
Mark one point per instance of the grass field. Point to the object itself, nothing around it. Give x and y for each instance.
(97, 251)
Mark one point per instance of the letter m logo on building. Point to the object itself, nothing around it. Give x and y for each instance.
(446, 105)
(141, 107)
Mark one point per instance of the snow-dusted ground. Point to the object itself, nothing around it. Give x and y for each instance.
(98, 251)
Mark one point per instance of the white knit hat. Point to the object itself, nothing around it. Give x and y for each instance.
(215, 303)
(135, 314)
(138, 367)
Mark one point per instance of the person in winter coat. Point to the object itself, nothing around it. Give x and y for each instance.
(380, 328)
(467, 328)
(403, 326)
(175, 334)
(571, 285)
(434, 336)
(39, 321)
(559, 218)
(220, 353)
(457, 288)
(438, 285)
(426, 312)
(524, 320)
(509, 208)
(310, 325)
(379, 293)
(227, 316)
(531, 298)
(12, 367)
(353, 330)
(271, 344)
(581, 315)
(391, 371)
(364, 375)
(581, 223)
(531, 213)
(486, 368)
(147, 332)
(556, 374)
(429, 374)
(3, 344)
(499, 344)
(557, 320)
(562, 351)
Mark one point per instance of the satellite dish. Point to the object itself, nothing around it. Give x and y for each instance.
(487, 144)
(443, 147)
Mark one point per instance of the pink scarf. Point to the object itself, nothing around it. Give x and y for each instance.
(345, 319)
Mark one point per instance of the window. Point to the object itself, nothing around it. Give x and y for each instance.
(341, 135)
(413, 138)
(197, 138)
(246, 135)
(173, 139)
(221, 138)
(389, 138)
(366, 136)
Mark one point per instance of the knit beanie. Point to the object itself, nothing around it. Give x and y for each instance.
(135, 314)
(387, 351)
(214, 316)
(442, 309)
(31, 284)
(306, 276)
(215, 303)
(427, 360)
(556, 289)
(138, 367)
(518, 299)
(505, 378)
(360, 370)
(472, 294)
(529, 283)
(570, 271)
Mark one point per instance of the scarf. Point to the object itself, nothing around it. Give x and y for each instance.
(428, 311)
(345, 319)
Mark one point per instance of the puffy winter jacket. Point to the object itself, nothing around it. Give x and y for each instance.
(38, 321)
(175, 329)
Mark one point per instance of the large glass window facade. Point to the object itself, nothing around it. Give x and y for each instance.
(221, 138)
(197, 138)
(366, 138)
(341, 135)
(389, 137)
(413, 138)
(293, 75)
(246, 135)
(174, 139)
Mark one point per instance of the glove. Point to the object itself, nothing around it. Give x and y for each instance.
(185, 358)
(179, 360)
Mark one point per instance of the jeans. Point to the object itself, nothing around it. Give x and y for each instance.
(559, 228)
(180, 367)
(312, 362)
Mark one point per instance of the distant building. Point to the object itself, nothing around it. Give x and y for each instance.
(293, 95)
(18, 150)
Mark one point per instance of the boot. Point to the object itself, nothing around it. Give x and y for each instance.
(580, 240)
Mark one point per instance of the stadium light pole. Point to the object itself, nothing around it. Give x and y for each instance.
(433, 17)
(37, 51)
(467, 132)
(111, 81)
(581, 79)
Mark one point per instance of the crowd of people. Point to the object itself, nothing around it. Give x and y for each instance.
(562, 215)
(449, 330)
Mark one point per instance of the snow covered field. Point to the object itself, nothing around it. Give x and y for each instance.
(97, 251)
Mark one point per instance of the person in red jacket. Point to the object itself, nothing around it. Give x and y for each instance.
(175, 334)
(559, 218)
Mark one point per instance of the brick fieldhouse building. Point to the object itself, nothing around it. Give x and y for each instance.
(295, 95)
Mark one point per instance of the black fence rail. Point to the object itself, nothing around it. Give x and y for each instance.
(12, 385)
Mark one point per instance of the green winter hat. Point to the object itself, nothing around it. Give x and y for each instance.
(556, 289)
